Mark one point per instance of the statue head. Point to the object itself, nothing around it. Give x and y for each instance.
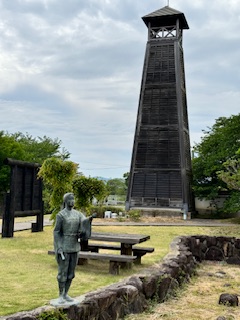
(68, 200)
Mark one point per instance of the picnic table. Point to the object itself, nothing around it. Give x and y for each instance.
(123, 242)
(126, 240)
(126, 244)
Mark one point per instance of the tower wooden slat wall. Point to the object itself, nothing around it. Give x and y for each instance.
(160, 174)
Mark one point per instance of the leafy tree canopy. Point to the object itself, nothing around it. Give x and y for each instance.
(57, 176)
(231, 172)
(61, 176)
(24, 147)
(218, 145)
(116, 186)
(40, 148)
(9, 148)
(87, 188)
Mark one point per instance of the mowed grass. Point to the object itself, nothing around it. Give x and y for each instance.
(28, 273)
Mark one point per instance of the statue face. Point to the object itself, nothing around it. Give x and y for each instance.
(70, 201)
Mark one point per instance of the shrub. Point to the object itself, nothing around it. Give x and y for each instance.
(100, 210)
(134, 215)
(53, 315)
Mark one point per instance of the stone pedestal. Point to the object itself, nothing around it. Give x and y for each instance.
(55, 303)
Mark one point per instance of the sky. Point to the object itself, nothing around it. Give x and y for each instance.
(72, 70)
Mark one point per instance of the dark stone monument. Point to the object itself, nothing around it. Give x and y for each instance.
(24, 198)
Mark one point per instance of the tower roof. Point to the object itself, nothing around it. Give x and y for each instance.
(165, 17)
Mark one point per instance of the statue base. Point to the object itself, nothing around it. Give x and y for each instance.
(57, 303)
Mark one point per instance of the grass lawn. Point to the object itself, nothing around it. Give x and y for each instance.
(28, 273)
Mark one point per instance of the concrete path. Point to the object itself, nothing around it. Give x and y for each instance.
(190, 223)
(20, 226)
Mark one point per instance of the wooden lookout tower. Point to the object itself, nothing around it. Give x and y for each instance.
(160, 173)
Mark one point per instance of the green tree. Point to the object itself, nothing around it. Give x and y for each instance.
(217, 146)
(24, 147)
(40, 148)
(85, 189)
(60, 176)
(231, 174)
(9, 148)
(57, 175)
(116, 186)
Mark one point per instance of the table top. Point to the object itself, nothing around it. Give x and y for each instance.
(119, 237)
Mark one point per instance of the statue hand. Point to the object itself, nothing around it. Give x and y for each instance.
(94, 215)
(60, 251)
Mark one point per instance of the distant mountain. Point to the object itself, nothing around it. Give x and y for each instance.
(102, 178)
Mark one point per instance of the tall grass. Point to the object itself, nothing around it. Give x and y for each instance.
(198, 300)
(28, 273)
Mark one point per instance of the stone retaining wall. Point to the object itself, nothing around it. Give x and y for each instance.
(157, 283)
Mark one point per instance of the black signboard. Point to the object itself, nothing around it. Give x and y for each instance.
(25, 196)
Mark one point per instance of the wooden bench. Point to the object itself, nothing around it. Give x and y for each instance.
(115, 260)
(137, 251)
(141, 251)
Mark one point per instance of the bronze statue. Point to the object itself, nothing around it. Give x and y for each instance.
(71, 225)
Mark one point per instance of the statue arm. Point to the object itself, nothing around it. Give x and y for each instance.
(86, 227)
(58, 236)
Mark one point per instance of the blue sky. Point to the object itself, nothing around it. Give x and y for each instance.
(72, 70)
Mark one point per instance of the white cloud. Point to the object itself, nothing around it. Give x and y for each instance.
(72, 69)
